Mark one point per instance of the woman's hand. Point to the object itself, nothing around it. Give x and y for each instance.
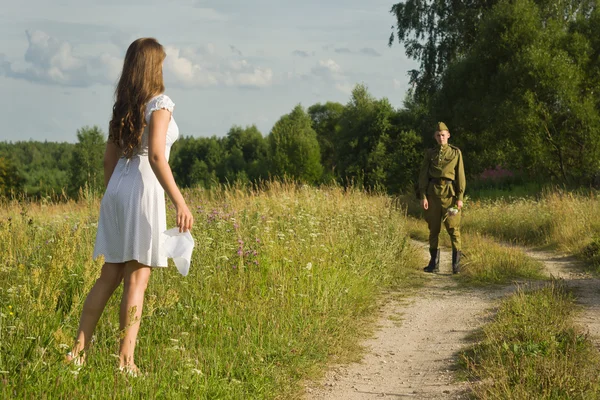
(185, 220)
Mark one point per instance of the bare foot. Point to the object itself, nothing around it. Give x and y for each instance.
(78, 361)
(130, 370)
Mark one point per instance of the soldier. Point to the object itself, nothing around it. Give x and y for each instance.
(441, 188)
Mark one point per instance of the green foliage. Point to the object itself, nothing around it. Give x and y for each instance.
(86, 165)
(197, 161)
(11, 182)
(534, 350)
(241, 156)
(515, 80)
(247, 154)
(294, 148)
(436, 33)
(528, 93)
(42, 166)
(282, 280)
(374, 149)
(325, 121)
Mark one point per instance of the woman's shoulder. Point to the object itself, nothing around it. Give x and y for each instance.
(159, 102)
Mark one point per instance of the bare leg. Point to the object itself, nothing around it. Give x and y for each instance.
(94, 304)
(135, 281)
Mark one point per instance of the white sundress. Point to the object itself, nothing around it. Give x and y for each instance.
(133, 210)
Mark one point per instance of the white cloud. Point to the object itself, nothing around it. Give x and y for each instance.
(331, 72)
(51, 61)
(184, 71)
(193, 68)
(328, 69)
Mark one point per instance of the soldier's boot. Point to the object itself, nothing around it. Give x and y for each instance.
(456, 261)
(434, 261)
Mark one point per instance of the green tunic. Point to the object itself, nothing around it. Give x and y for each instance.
(442, 183)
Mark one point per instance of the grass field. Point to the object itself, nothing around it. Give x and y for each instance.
(534, 350)
(282, 280)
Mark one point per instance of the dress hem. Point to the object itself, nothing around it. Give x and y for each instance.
(106, 260)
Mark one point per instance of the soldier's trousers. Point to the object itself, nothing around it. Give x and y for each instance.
(440, 199)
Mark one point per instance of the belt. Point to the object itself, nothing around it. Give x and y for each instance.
(440, 181)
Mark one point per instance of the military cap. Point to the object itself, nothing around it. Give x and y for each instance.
(441, 127)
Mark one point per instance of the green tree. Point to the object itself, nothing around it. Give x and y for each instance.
(43, 166)
(86, 167)
(247, 154)
(294, 148)
(436, 33)
(325, 121)
(524, 96)
(10, 180)
(198, 161)
(365, 128)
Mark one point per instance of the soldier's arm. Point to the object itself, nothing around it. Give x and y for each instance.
(424, 176)
(461, 183)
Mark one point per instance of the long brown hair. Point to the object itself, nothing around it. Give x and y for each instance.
(140, 80)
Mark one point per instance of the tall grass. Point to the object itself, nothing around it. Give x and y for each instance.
(565, 221)
(484, 261)
(282, 279)
(533, 350)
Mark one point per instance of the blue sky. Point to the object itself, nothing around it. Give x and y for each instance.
(229, 62)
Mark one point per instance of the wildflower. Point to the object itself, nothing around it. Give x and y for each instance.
(309, 266)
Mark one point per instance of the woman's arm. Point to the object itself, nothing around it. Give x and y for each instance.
(159, 122)
(112, 153)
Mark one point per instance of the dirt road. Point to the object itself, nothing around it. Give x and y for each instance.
(415, 346)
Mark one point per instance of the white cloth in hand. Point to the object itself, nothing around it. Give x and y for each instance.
(179, 246)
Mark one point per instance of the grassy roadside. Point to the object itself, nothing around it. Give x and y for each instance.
(282, 280)
(485, 261)
(567, 222)
(534, 350)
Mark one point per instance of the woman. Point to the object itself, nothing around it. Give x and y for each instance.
(132, 212)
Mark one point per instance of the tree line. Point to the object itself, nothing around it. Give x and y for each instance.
(517, 82)
(365, 142)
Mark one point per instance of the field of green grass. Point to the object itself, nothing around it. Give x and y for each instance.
(534, 350)
(559, 220)
(282, 280)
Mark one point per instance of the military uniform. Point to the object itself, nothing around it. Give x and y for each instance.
(442, 183)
